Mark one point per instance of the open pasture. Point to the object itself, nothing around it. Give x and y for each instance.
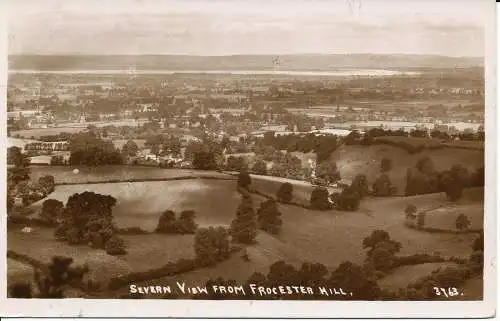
(329, 237)
(353, 160)
(114, 173)
(444, 218)
(334, 237)
(141, 203)
(403, 276)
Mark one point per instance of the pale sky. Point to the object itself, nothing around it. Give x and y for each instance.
(443, 27)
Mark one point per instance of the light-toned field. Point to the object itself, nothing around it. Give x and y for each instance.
(141, 203)
(65, 174)
(352, 160)
(445, 217)
(270, 185)
(402, 276)
(37, 132)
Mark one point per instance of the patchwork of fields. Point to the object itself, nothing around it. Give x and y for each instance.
(330, 237)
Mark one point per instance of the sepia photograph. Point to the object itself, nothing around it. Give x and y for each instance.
(248, 151)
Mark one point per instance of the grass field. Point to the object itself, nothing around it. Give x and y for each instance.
(445, 217)
(141, 204)
(143, 253)
(333, 237)
(37, 132)
(352, 160)
(329, 237)
(402, 276)
(270, 185)
(65, 174)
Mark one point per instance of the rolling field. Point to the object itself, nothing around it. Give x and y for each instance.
(65, 174)
(445, 217)
(329, 237)
(270, 185)
(332, 238)
(353, 160)
(141, 203)
(405, 275)
(143, 253)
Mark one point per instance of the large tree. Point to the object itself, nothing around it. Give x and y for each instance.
(90, 150)
(319, 199)
(285, 193)
(211, 245)
(244, 226)
(269, 217)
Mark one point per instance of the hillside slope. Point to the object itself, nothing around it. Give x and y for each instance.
(354, 159)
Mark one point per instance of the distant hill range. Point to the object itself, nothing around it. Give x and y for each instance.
(306, 62)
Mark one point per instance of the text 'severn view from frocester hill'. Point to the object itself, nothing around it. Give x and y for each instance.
(322, 150)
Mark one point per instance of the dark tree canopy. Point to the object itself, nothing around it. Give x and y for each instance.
(269, 217)
(285, 193)
(204, 160)
(52, 210)
(244, 179)
(244, 226)
(319, 199)
(211, 245)
(90, 150)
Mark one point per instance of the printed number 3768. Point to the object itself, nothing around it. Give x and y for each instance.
(447, 292)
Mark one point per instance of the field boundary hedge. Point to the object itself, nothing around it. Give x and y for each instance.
(443, 231)
(169, 269)
(166, 179)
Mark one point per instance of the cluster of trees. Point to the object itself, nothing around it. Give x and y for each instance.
(52, 282)
(381, 251)
(90, 150)
(16, 174)
(31, 192)
(327, 171)
(88, 219)
(236, 163)
(323, 145)
(211, 245)
(18, 185)
(164, 144)
(184, 224)
(369, 135)
(424, 179)
(286, 165)
(352, 278)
